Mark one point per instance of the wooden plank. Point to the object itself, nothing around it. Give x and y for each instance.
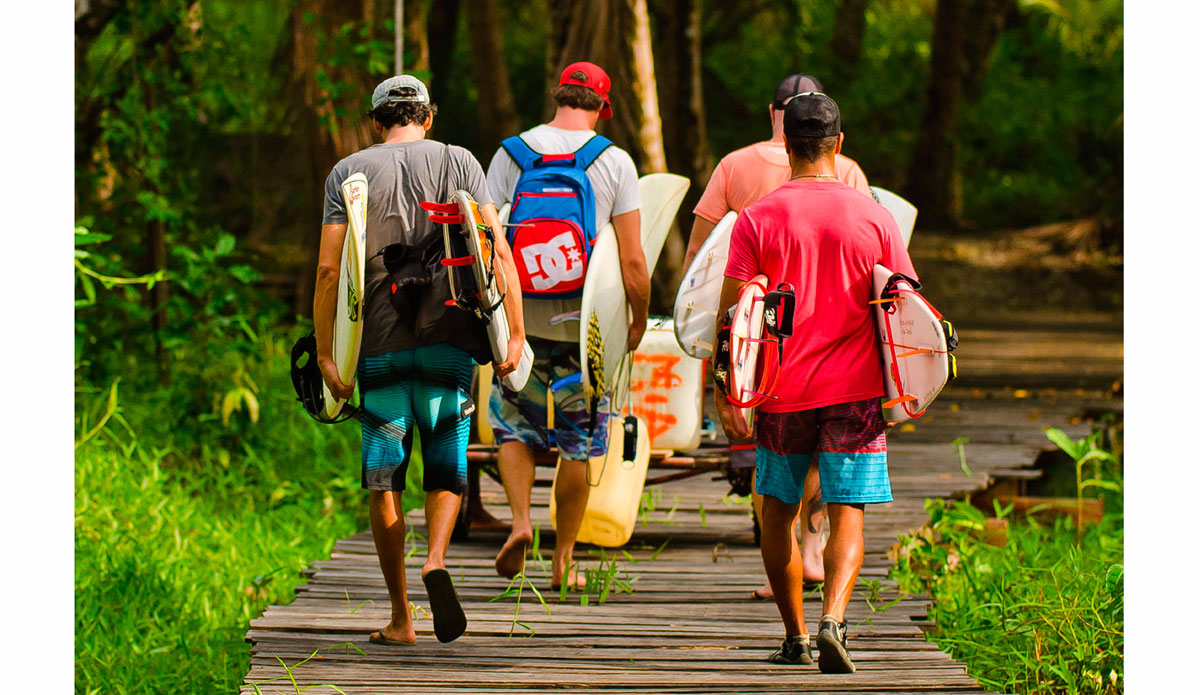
(688, 626)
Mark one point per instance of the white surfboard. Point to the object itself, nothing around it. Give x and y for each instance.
(491, 279)
(604, 317)
(700, 292)
(912, 345)
(348, 318)
(901, 209)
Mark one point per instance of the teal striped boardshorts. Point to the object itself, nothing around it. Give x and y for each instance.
(846, 438)
(428, 388)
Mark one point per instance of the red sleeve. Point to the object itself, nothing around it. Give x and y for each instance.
(895, 254)
(743, 249)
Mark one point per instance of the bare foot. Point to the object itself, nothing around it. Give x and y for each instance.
(395, 635)
(763, 593)
(511, 559)
(574, 581)
(482, 520)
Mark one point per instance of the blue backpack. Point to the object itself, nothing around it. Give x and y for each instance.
(554, 204)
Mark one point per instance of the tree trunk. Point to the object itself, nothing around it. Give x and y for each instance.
(497, 108)
(416, 37)
(678, 67)
(985, 21)
(610, 34)
(645, 88)
(957, 71)
(932, 179)
(848, 28)
(443, 20)
(332, 132)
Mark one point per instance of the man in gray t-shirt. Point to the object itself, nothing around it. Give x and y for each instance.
(407, 378)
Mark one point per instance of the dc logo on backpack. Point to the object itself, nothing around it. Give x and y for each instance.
(554, 200)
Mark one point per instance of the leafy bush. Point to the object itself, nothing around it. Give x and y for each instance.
(1044, 612)
(182, 538)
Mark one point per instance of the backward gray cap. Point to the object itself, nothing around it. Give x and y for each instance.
(384, 93)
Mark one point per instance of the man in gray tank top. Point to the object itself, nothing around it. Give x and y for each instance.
(413, 371)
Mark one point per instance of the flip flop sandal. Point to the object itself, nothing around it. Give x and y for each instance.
(378, 638)
(449, 621)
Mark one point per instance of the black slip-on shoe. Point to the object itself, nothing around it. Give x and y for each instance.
(832, 656)
(449, 621)
(794, 651)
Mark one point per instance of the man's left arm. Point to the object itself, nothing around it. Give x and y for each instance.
(733, 421)
(635, 276)
(511, 290)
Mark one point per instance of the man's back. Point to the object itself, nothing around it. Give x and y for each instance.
(399, 177)
(824, 239)
(614, 184)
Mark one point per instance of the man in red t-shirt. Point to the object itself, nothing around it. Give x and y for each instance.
(823, 238)
(742, 178)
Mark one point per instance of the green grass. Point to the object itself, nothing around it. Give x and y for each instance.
(182, 537)
(1043, 614)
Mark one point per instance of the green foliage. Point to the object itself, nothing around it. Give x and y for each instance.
(1042, 614)
(181, 539)
(1041, 141)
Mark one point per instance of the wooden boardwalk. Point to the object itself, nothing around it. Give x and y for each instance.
(689, 626)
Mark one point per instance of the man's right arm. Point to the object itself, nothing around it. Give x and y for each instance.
(709, 210)
(329, 265)
(701, 228)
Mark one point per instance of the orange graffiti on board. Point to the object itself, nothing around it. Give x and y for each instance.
(662, 372)
(651, 392)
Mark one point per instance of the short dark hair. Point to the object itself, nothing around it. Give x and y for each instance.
(403, 112)
(812, 149)
(578, 97)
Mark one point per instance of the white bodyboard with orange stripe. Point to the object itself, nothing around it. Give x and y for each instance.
(913, 344)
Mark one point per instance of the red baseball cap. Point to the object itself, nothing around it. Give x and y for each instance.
(594, 79)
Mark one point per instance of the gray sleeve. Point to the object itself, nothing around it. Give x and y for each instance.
(470, 175)
(335, 207)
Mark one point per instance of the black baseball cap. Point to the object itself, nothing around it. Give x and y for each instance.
(811, 115)
(793, 85)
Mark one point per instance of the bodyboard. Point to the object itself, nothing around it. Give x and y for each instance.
(348, 317)
(745, 334)
(912, 346)
(490, 278)
(696, 302)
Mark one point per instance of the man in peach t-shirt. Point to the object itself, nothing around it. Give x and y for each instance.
(743, 176)
(740, 180)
